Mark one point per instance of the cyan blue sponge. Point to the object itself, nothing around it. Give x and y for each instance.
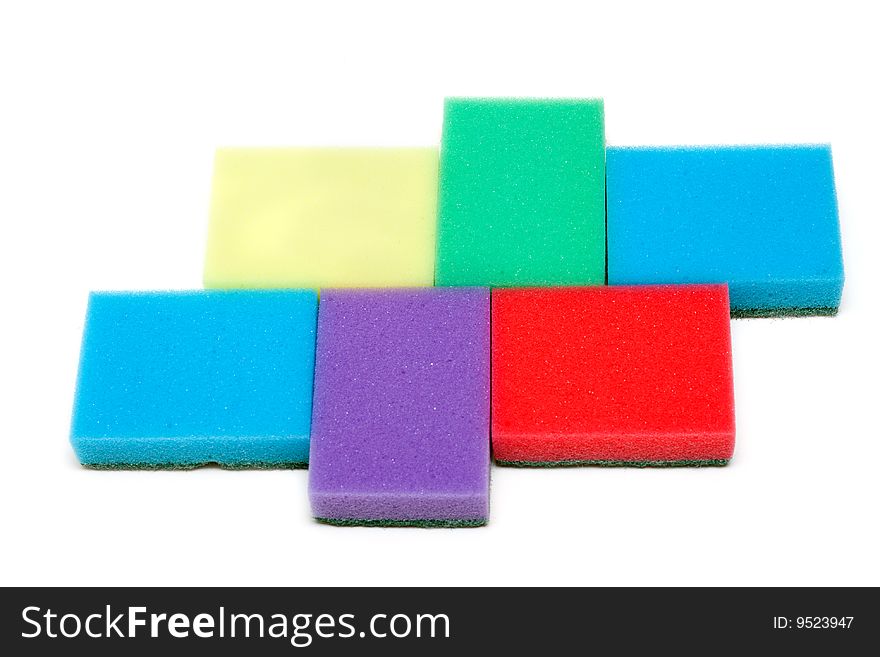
(762, 219)
(182, 379)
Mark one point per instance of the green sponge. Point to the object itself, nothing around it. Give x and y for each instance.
(522, 193)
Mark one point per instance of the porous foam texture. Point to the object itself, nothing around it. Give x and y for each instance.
(316, 217)
(449, 524)
(183, 379)
(762, 219)
(628, 375)
(400, 423)
(522, 193)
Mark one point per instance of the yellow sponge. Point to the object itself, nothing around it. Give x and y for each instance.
(322, 217)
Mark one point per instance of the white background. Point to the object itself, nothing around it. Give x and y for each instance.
(108, 120)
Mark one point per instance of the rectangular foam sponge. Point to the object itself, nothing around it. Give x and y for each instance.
(522, 193)
(320, 217)
(612, 376)
(400, 424)
(762, 219)
(182, 379)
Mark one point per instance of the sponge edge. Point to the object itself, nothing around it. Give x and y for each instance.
(174, 453)
(575, 463)
(424, 510)
(177, 380)
(580, 377)
(450, 524)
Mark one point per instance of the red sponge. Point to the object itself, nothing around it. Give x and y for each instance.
(612, 376)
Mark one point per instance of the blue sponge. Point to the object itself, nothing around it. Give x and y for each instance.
(181, 379)
(761, 218)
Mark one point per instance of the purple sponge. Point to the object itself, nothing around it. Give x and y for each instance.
(400, 418)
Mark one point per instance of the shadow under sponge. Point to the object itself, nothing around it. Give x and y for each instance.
(183, 379)
(400, 422)
(762, 219)
(637, 376)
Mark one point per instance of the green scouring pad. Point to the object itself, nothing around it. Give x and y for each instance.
(355, 522)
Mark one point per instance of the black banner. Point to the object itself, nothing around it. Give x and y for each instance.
(435, 621)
